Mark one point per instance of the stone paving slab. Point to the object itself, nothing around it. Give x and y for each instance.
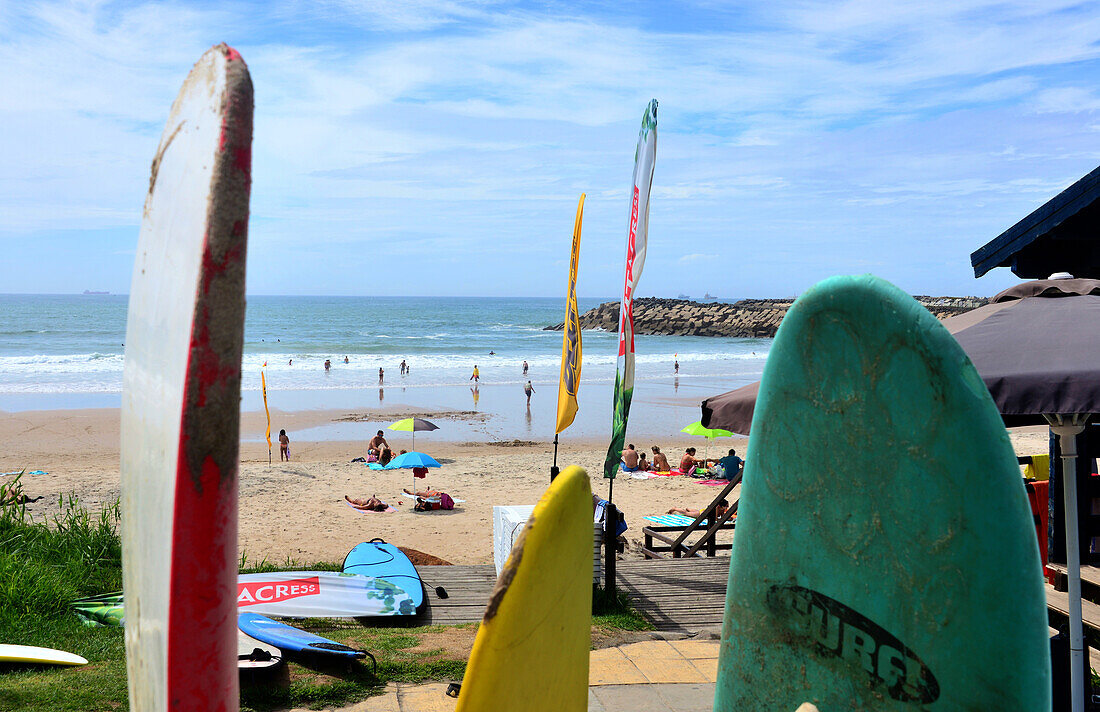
(655, 661)
(650, 676)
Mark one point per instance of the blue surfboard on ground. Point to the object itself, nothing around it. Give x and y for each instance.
(381, 560)
(291, 639)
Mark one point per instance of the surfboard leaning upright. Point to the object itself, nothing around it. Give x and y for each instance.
(181, 398)
(531, 651)
(885, 557)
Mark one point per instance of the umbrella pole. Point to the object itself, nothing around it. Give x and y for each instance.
(554, 468)
(1067, 440)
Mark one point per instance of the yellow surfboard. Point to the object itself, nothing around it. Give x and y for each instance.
(531, 652)
(36, 655)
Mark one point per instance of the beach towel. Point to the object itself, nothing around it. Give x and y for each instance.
(670, 473)
(599, 514)
(432, 504)
(669, 520)
(713, 483)
(376, 466)
(389, 508)
(456, 500)
(1037, 469)
(643, 476)
(16, 472)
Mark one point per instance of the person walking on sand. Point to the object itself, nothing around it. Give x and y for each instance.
(524, 368)
(381, 376)
(528, 389)
(476, 378)
(284, 446)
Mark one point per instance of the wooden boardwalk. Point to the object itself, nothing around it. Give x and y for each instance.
(675, 594)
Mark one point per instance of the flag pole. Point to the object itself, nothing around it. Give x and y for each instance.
(263, 383)
(569, 381)
(554, 468)
(645, 155)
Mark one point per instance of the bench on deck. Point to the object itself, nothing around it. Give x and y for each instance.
(708, 522)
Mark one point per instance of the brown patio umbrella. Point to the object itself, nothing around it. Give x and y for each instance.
(1036, 346)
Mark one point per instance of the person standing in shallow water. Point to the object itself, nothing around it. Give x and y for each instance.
(381, 376)
(528, 389)
(476, 378)
(524, 368)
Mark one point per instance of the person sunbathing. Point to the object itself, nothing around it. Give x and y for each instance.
(16, 496)
(660, 462)
(385, 456)
(723, 505)
(376, 443)
(430, 499)
(423, 493)
(689, 462)
(370, 504)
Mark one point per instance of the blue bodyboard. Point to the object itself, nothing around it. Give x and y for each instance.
(386, 561)
(291, 639)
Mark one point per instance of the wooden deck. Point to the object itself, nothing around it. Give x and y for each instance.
(674, 594)
(677, 594)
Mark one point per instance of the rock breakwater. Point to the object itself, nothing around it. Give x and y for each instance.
(748, 318)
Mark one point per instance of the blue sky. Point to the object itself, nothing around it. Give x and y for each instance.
(439, 148)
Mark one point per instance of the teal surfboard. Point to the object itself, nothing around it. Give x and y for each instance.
(885, 557)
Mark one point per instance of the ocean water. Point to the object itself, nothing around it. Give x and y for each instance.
(67, 351)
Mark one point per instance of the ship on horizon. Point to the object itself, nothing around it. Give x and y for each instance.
(89, 291)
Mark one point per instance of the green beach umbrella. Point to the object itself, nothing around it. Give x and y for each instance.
(412, 425)
(697, 428)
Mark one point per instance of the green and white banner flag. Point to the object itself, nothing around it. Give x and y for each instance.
(644, 157)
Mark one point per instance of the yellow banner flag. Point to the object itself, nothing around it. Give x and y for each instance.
(570, 381)
(263, 383)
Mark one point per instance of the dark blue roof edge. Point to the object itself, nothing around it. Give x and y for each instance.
(998, 251)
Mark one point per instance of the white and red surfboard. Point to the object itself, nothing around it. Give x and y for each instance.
(181, 398)
(323, 594)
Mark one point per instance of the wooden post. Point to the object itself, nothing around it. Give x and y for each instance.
(610, 535)
(712, 541)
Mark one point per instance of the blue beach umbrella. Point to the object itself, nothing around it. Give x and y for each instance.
(410, 460)
(414, 459)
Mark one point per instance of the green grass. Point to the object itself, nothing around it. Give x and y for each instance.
(616, 612)
(44, 565)
(42, 568)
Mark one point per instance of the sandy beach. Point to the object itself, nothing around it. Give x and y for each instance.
(296, 510)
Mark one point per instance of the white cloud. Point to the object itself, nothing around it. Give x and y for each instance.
(824, 128)
(697, 257)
